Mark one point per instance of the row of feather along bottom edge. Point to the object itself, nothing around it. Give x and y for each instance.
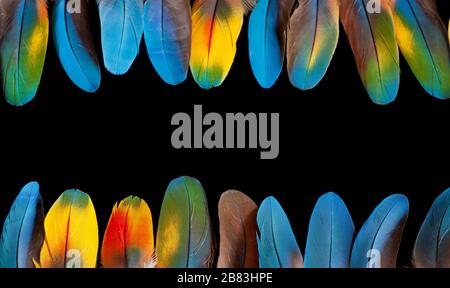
(250, 236)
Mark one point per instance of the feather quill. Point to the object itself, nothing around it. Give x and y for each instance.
(237, 217)
(378, 241)
(23, 230)
(167, 32)
(23, 46)
(267, 39)
(128, 240)
(71, 233)
(122, 26)
(312, 39)
(74, 44)
(216, 25)
(432, 248)
(330, 234)
(277, 246)
(184, 238)
(422, 38)
(372, 38)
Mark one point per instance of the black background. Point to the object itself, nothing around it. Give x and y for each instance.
(116, 142)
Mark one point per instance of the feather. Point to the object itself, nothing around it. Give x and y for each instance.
(23, 45)
(422, 38)
(432, 248)
(122, 26)
(71, 233)
(372, 38)
(378, 241)
(267, 39)
(167, 32)
(312, 39)
(128, 240)
(184, 238)
(216, 25)
(23, 231)
(330, 234)
(237, 217)
(277, 246)
(74, 44)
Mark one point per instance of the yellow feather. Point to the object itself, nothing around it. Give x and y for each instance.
(71, 233)
(216, 25)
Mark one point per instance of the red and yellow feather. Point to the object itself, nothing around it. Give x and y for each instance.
(216, 25)
(128, 240)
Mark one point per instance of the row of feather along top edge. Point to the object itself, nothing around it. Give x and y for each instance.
(250, 236)
(203, 36)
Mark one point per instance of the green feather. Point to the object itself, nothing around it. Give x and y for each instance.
(184, 238)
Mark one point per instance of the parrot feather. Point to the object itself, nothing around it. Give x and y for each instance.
(378, 241)
(277, 245)
(312, 39)
(167, 31)
(237, 217)
(23, 230)
(432, 248)
(372, 38)
(330, 234)
(74, 43)
(422, 38)
(216, 25)
(71, 233)
(128, 240)
(122, 26)
(24, 32)
(267, 39)
(184, 238)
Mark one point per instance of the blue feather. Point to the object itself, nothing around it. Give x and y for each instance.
(167, 32)
(122, 26)
(432, 248)
(74, 44)
(277, 246)
(330, 234)
(267, 39)
(378, 241)
(23, 230)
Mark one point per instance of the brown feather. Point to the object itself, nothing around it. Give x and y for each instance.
(237, 216)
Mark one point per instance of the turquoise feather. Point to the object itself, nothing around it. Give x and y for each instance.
(277, 246)
(267, 39)
(74, 44)
(23, 231)
(378, 241)
(432, 248)
(122, 26)
(330, 234)
(167, 33)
